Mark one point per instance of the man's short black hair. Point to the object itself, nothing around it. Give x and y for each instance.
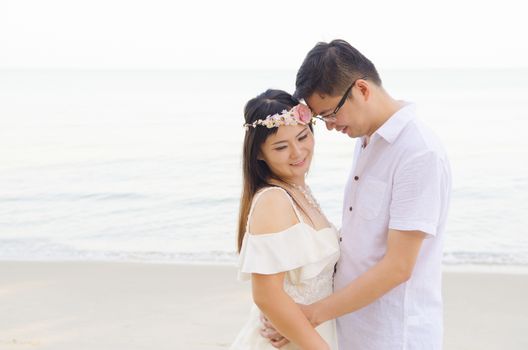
(330, 68)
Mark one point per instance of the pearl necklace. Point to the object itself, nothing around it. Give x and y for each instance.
(307, 193)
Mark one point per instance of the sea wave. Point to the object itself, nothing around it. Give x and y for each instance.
(46, 250)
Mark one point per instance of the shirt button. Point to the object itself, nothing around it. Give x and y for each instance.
(356, 178)
(350, 208)
(340, 239)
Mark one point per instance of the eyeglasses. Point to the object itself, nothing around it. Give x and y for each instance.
(339, 105)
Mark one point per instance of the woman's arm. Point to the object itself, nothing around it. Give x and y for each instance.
(273, 212)
(284, 313)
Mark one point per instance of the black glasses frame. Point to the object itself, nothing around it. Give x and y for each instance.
(341, 102)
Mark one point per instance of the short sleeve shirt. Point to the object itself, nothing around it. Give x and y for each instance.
(400, 180)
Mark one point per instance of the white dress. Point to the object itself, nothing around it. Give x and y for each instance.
(307, 255)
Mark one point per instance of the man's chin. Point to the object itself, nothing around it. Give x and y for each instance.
(352, 134)
(348, 132)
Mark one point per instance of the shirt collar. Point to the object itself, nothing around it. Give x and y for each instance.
(396, 123)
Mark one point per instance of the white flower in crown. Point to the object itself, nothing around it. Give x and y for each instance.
(299, 114)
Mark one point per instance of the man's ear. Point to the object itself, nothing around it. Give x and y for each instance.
(364, 88)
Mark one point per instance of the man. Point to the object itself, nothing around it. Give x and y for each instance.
(387, 285)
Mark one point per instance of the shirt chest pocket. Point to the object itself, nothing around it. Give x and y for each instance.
(371, 196)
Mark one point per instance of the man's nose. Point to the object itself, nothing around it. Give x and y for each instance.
(330, 125)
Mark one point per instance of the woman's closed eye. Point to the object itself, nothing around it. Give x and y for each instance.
(303, 137)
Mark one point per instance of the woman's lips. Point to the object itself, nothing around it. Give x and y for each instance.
(300, 163)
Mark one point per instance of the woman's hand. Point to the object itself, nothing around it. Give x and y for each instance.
(269, 332)
(276, 339)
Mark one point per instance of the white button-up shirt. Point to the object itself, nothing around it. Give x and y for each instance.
(400, 180)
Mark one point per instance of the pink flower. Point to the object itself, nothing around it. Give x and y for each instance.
(303, 113)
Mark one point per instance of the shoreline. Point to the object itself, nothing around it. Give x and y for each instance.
(446, 267)
(123, 305)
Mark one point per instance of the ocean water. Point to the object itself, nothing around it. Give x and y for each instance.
(145, 165)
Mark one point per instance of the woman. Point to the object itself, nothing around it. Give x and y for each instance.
(287, 246)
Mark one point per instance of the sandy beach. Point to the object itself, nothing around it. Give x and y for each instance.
(103, 305)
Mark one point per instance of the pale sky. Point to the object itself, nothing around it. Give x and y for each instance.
(272, 34)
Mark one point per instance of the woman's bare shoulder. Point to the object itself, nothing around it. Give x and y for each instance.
(273, 212)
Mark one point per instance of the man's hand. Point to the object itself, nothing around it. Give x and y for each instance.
(269, 332)
(309, 312)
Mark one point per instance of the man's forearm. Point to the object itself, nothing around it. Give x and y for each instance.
(373, 284)
(395, 268)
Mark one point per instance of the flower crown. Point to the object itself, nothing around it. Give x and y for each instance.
(299, 114)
